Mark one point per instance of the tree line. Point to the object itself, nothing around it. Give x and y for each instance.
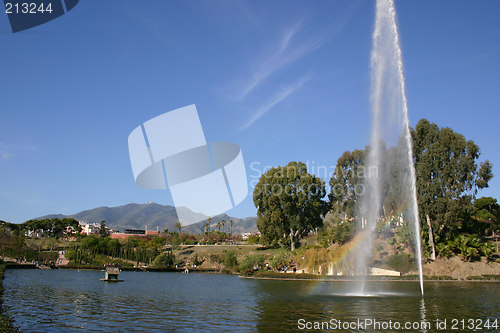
(45, 227)
(94, 250)
(291, 203)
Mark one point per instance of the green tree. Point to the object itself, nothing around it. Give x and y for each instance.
(336, 230)
(487, 215)
(289, 204)
(230, 260)
(102, 230)
(89, 242)
(166, 259)
(57, 228)
(176, 241)
(250, 262)
(71, 222)
(395, 189)
(279, 260)
(156, 242)
(346, 184)
(448, 177)
(253, 239)
(231, 222)
(178, 226)
(209, 221)
(114, 247)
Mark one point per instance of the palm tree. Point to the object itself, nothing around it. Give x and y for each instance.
(205, 226)
(209, 221)
(223, 222)
(231, 227)
(218, 226)
(178, 225)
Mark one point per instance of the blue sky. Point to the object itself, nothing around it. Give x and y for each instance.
(286, 80)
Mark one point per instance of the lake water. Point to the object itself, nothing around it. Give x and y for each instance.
(70, 300)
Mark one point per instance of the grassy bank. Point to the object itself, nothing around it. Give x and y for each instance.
(143, 269)
(484, 278)
(213, 258)
(285, 276)
(5, 321)
(291, 276)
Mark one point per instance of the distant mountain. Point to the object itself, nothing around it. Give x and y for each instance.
(153, 215)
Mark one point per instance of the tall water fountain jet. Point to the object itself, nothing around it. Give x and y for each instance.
(389, 182)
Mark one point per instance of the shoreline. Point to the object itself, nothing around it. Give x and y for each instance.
(265, 275)
(354, 280)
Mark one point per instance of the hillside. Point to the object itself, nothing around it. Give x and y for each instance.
(153, 215)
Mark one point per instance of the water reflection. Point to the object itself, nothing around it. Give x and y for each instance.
(422, 314)
(62, 301)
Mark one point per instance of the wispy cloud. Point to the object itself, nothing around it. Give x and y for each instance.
(277, 98)
(280, 57)
(9, 150)
(291, 48)
(293, 45)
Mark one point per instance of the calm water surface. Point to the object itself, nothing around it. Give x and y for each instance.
(67, 301)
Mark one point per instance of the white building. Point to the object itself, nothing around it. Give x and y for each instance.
(247, 234)
(89, 228)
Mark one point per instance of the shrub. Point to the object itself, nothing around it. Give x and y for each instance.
(279, 260)
(176, 241)
(188, 239)
(336, 231)
(401, 262)
(230, 260)
(249, 262)
(196, 260)
(470, 254)
(470, 247)
(253, 239)
(218, 258)
(164, 260)
(488, 249)
(444, 250)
